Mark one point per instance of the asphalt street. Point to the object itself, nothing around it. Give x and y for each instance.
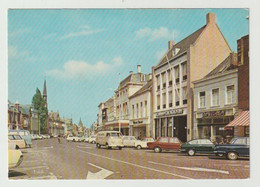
(47, 159)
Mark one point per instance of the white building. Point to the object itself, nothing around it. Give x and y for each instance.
(141, 111)
(215, 100)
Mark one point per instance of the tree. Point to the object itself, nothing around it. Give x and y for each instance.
(38, 103)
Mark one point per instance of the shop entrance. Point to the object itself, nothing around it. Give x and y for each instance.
(180, 128)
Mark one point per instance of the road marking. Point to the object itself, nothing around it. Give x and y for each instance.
(193, 168)
(30, 161)
(28, 168)
(140, 166)
(84, 147)
(102, 174)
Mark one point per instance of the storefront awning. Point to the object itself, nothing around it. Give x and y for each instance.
(242, 120)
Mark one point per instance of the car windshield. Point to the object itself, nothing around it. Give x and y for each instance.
(114, 134)
(17, 137)
(238, 141)
(11, 137)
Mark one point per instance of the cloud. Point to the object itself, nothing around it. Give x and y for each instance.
(19, 32)
(86, 30)
(13, 52)
(81, 69)
(156, 34)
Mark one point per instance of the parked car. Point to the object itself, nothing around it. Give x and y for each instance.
(92, 139)
(34, 136)
(197, 146)
(165, 143)
(25, 134)
(17, 140)
(86, 138)
(238, 147)
(129, 141)
(39, 137)
(15, 156)
(142, 144)
(110, 139)
(73, 138)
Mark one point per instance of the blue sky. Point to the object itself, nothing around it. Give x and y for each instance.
(81, 52)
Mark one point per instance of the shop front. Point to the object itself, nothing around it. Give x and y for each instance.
(211, 124)
(139, 128)
(171, 123)
(124, 127)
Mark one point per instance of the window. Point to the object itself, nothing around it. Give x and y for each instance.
(163, 140)
(174, 140)
(164, 100)
(170, 98)
(158, 82)
(137, 111)
(133, 111)
(177, 74)
(230, 95)
(193, 142)
(177, 98)
(202, 99)
(184, 95)
(184, 71)
(10, 137)
(204, 141)
(164, 80)
(215, 97)
(158, 102)
(145, 108)
(17, 137)
(141, 109)
(240, 141)
(169, 73)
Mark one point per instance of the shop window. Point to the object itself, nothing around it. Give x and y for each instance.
(230, 94)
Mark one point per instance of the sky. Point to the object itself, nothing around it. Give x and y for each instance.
(81, 52)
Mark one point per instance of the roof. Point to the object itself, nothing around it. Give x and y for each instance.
(134, 78)
(146, 87)
(226, 65)
(242, 120)
(183, 45)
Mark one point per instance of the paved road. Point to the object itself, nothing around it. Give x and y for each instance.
(47, 159)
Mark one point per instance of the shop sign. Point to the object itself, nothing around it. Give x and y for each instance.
(170, 112)
(214, 113)
(137, 121)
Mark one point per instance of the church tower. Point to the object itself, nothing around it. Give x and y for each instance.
(45, 94)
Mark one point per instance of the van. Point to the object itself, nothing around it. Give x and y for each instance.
(25, 134)
(111, 139)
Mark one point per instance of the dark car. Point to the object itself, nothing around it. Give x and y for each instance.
(238, 147)
(197, 146)
(165, 143)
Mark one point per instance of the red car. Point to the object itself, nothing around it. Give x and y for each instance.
(165, 143)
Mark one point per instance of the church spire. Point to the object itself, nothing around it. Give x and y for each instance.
(45, 93)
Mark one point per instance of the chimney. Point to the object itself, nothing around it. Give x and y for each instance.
(138, 68)
(130, 72)
(211, 18)
(171, 43)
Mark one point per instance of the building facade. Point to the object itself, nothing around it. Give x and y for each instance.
(215, 101)
(56, 124)
(190, 59)
(140, 118)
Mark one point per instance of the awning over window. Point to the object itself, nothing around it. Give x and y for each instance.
(242, 120)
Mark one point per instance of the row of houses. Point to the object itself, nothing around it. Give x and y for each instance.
(199, 89)
(25, 117)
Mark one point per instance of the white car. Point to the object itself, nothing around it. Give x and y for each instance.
(73, 138)
(15, 156)
(110, 139)
(92, 139)
(129, 141)
(142, 144)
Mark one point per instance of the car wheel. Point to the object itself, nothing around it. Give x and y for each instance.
(232, 156)
(139, 147)
(98, 145)
(157, 149)
(191, 152)
(73, 140)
